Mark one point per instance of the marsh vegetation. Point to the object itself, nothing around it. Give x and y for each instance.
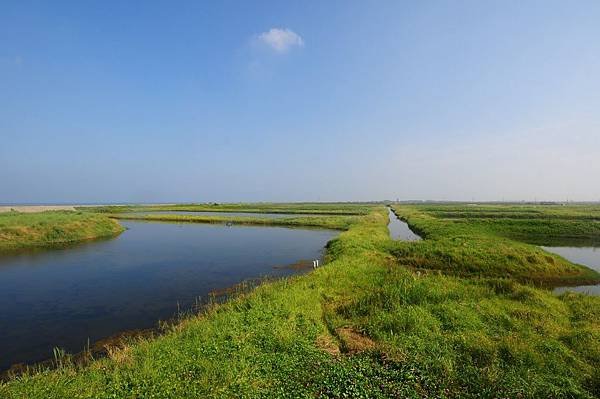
(458, 314)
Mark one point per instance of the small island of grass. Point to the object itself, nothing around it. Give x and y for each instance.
(52, 229)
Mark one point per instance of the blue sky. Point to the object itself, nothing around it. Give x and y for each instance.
(288, 101)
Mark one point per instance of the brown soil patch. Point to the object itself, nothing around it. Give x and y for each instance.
(300, 265)
(353, 341)
(328, 344)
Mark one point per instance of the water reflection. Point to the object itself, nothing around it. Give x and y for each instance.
(587, 256)
(63, 297)
(399, 229)
(227, 214)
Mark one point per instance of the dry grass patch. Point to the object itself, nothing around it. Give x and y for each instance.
(328, 344)
(353, 341)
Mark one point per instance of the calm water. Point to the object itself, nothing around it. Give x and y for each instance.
(399, 230)
(63, 297)
(225, 214)
(587, 256)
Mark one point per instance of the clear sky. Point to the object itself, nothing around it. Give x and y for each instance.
(306, 100)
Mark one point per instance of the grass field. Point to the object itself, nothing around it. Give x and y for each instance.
(52, 228)
(304, 208)
(495, 243)
(367, 324)
(330, 222)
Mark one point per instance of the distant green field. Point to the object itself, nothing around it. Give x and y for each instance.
(497, 241)
(332, 221)
(52, 228)
(304, 208)
(376, 321)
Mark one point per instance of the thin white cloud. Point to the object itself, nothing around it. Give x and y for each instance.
(281, 40)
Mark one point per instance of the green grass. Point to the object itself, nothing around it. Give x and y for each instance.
(291, 208)
(494, 247)
(364, 325)
(329, 222)
(571, 212)
(52, 228)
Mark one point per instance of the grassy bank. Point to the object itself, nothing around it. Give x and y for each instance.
(487, 246)
(329, 222)
(52, 228)
(570, 212)
(289, 208)
(361, 326)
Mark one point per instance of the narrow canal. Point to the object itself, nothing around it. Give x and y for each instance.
(399, 229)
